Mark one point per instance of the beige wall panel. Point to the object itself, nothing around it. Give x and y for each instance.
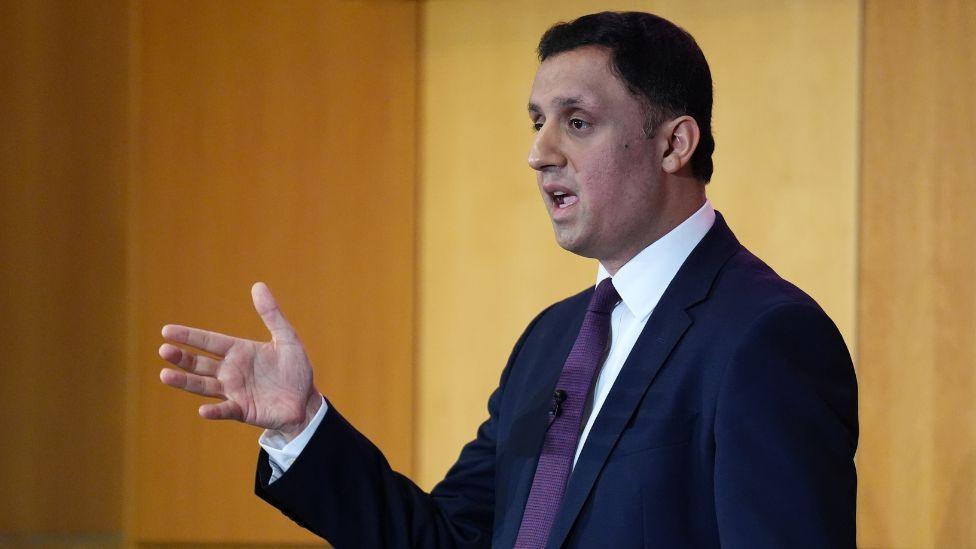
(786, 78)
(62, 261)
(276, 143)
(917, 306)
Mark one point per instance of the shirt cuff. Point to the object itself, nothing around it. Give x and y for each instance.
(281, 452)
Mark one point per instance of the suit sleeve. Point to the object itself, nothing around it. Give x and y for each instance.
(785, 435)
(342, 488)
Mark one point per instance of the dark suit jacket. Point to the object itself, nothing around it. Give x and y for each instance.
(733, 423)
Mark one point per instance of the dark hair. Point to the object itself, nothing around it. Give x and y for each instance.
(657, 60)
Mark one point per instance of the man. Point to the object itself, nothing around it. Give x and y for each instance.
(691, 399)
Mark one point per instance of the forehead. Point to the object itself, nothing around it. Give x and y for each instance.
(579, 77)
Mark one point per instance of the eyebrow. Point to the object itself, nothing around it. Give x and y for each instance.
(563, 102)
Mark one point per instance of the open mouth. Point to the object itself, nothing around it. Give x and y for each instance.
(563, 199)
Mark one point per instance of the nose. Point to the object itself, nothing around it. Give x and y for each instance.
(545, 150)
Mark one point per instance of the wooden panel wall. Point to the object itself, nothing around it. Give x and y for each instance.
(275, 142)
(917, 306)
(786, 76)
(63, 78)
(156, 158)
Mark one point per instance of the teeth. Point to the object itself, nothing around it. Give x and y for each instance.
(562, 199)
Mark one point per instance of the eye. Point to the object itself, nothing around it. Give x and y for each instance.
(578, 124)
(536, 126)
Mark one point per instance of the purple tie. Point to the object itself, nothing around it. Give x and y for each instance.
(559, 447)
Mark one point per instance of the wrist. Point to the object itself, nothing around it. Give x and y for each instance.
(312, 405)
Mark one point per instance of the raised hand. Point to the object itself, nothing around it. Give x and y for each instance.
(262, 383)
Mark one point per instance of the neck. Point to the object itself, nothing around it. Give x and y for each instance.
(675, 214)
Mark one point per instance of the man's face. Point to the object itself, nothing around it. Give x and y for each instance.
(599, 175)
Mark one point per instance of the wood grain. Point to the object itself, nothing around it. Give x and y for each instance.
(275, 142)
(917, 303)
(63, 164)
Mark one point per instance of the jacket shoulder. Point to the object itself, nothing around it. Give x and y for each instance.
(755, 288)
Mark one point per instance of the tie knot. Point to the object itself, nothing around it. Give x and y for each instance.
(605, 297)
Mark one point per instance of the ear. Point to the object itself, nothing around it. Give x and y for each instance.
(683, 136)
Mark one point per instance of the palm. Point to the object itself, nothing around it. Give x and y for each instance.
(269, 381)
(268, 384)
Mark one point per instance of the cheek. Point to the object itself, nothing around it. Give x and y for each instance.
(599, 171)
(635, 171)
(614, 178)
(637, 159)
(612, 173)
(599, 188)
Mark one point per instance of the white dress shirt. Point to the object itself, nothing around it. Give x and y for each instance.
(640, 282)
(281, 452)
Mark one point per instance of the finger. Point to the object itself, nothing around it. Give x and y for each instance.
(267, 307)
(192, 383)
(211, 342)
(188, 360)
(221, 410)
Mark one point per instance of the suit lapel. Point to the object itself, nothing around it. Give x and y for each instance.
(664, 329)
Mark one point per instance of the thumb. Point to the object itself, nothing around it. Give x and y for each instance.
(267, 307)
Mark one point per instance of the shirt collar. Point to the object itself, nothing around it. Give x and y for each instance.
(642, 281)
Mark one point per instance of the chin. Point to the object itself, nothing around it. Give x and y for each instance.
(573, 245)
